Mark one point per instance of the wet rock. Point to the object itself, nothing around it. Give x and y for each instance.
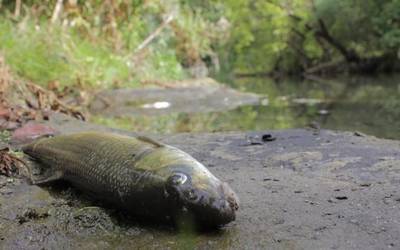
(272, 206)
(210, 96)
(31, 131)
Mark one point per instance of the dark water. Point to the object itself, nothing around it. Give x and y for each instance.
(369, 105)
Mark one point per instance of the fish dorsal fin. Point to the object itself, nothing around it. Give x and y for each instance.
(150, 141)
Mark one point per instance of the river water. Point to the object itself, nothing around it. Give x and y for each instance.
(369, 105)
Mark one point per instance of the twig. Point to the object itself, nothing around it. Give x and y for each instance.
(323, 66)
(154, 34)
(17, 10)
(57, 11)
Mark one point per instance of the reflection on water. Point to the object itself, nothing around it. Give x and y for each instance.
(368, 105)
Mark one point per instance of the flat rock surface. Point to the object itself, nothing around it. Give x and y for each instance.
(303, 190)
(201, 96)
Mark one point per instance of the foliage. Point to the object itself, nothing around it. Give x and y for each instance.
(96, 43)
(288, 36)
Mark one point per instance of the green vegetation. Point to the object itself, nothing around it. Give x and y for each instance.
(315, 35)
(5, 136)
(127, 42)
(131, 43)
(84, 47)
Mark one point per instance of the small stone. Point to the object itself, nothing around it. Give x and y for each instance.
(32, 131)
(357, 133)
(6, 191)
(267, 137)
(323, 112)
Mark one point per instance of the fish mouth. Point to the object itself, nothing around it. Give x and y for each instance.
(208, 209)
(219, 214)
(223, 210)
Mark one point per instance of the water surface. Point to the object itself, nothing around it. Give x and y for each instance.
(369, 105)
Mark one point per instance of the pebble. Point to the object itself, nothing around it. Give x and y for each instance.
(6, 191)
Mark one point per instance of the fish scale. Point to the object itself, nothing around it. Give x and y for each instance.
(134, 173)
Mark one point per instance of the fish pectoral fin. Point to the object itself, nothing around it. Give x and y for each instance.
(39, 174)
(42, 179)
(150, 141)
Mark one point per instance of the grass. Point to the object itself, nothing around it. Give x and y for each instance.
(44, 53)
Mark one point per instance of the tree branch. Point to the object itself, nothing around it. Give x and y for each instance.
(17, 10)
(57, 11)
(154, 34)
(322, 32)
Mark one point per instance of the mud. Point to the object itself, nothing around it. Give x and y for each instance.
(303, 190)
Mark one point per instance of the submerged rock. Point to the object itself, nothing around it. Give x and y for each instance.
(203, 95)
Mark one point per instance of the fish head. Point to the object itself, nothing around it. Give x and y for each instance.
(209, 201)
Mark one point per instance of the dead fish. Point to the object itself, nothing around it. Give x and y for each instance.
(145, 177)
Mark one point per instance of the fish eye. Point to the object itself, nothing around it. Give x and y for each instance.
(178, 178)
